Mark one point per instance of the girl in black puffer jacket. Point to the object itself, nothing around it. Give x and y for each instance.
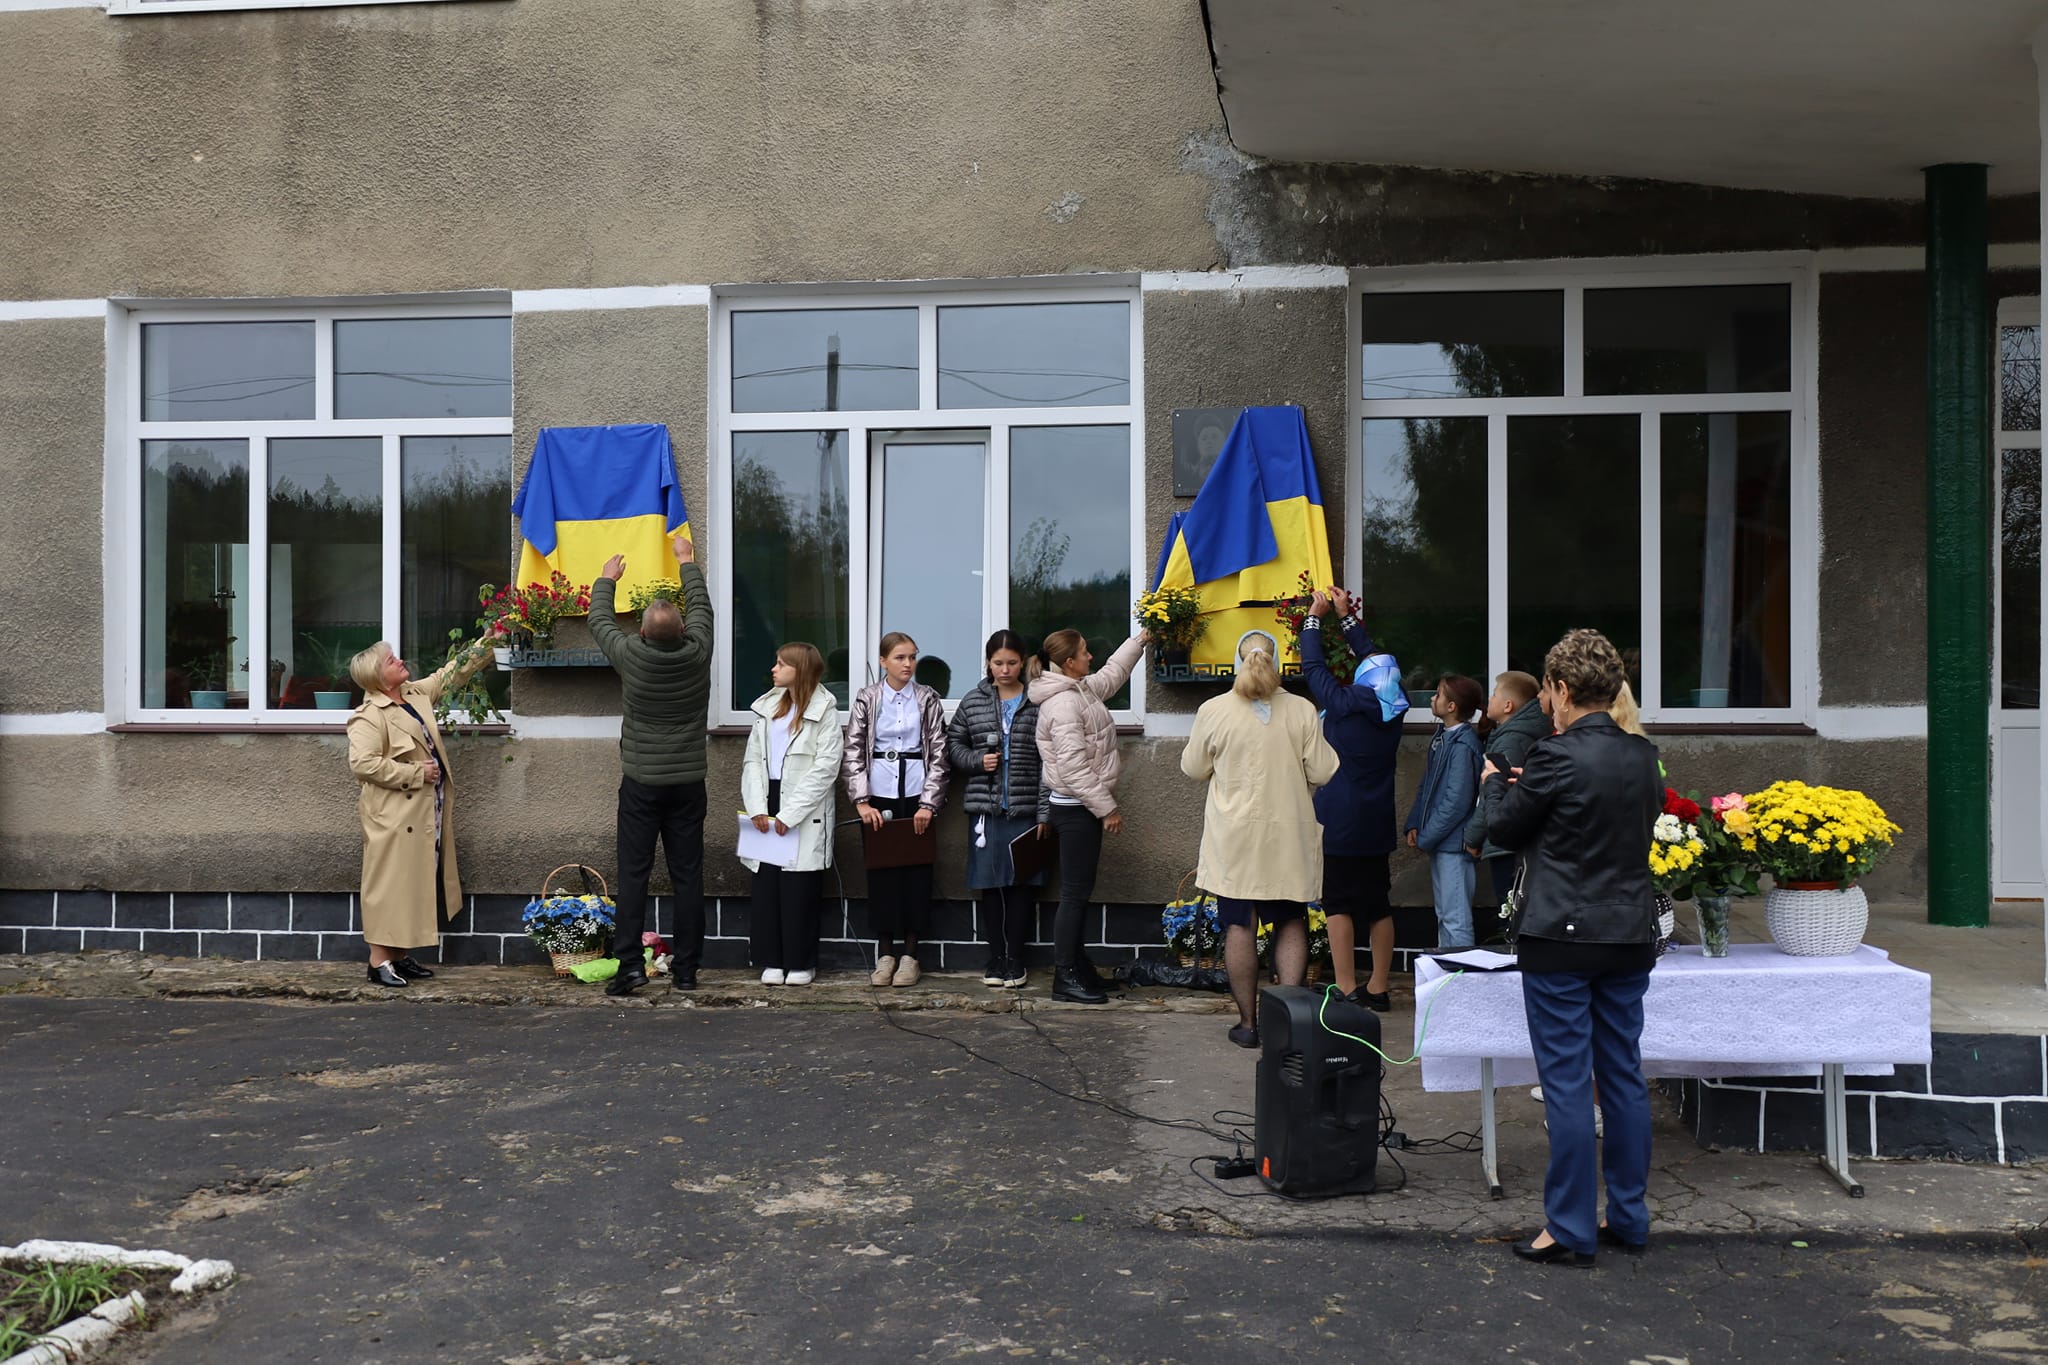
(992, 742)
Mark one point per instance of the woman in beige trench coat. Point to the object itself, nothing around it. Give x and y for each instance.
(407, 803)
(1263, 753)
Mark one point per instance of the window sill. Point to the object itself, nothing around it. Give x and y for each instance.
(122, 9)
(179, 727)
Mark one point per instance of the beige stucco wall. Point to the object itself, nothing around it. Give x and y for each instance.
(543, 143)
(52, 461)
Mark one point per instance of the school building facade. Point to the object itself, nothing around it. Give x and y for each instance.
(1625, 318)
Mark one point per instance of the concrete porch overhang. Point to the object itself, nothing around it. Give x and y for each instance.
(1839, 97)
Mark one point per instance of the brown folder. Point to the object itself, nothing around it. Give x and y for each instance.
(898, 844)
(1030, 855)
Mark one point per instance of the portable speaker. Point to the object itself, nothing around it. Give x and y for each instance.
(1317, 1112)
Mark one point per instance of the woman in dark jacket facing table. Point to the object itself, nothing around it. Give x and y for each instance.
(1580, 812)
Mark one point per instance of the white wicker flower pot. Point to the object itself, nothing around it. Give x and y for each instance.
(1810, 923)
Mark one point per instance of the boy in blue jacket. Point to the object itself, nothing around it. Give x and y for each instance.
(1443, 806)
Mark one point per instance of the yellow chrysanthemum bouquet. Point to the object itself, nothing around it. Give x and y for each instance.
(1814, 836)
(1173, 615)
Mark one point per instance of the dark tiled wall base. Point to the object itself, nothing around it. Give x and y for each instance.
(1984, 1098)
(323, 926)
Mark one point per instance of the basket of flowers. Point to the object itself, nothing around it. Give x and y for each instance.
(1193, 932)
(571, 928)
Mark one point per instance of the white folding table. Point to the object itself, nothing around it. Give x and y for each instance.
(1755, 1012)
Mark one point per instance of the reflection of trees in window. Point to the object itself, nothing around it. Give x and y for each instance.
(456, 527)
(1424, 562)
(196, 501)
(2019, 607)
(2019, 390)
(1044, 599)
(789, 554)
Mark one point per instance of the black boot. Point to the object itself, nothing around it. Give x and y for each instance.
(627, 981)
(1068, 984)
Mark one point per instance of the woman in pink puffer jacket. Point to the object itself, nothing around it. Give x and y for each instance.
(1079, 769)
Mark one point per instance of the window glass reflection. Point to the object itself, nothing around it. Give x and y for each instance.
(1464, 344)
(932, 557)
(455, 535)
(1035, 355)
(1424, 563)
(227, 371)
(423, 367)
(2019, 604)
(326, 566)
(1705, 339)
(789, 555)
(1726, 552)
(195, 574)
(1070, 535)
(1574, 535)
(824, 360)
(2019, 378)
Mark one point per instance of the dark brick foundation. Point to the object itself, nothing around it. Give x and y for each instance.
(1984, 1098)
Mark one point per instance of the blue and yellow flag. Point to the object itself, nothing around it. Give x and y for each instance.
(595, 492)
(1256, 526)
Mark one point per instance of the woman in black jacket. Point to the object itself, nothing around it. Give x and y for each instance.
(1580, 811)
(992, 740)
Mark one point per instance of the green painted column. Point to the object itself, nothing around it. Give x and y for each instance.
(1959, 573)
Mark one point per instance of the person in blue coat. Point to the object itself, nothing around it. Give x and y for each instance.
(1443, 805)
(1362, 722)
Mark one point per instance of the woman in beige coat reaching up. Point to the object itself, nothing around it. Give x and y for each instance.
(1263, 754)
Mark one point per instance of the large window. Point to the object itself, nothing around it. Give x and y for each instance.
(940, 466)
(1543, 452)
(308, 482)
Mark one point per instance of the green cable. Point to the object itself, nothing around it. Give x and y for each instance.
(1421, 1033)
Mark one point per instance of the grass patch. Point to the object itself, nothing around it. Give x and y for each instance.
(42, 1298)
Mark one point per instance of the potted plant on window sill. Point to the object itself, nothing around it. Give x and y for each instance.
(332, 660)
(209, 673)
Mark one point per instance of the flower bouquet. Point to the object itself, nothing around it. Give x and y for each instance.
(1193, 932)
(1318, 942)
(1291, 612)
(1675, 852)
(1174, 616)
(1815, 836)
(532, 609)
(571, 929)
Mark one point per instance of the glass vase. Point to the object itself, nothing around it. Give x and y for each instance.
(1713, 924)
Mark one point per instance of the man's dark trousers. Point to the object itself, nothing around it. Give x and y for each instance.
(676, 816)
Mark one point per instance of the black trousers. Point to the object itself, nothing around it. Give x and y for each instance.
(899, 898)
(1006, 921)
(674, 815)
(783, 919)
(1080, 850)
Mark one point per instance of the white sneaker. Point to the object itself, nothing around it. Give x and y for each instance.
(1536, 1093)
(907, 972)
(772, 977)
(1599, 1123)
(884, 973)
(798, 978)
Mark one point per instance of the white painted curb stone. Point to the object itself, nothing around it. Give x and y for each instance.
(81, 1336)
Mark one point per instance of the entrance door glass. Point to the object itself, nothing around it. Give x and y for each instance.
(932, 555)
(2016, 728)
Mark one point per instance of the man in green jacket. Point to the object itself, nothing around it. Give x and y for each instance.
(665, 682)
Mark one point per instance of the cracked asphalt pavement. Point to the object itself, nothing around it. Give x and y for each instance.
(517, 1184)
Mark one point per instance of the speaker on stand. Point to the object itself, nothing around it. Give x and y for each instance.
(1317, 1111)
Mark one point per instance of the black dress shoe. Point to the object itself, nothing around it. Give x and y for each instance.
(1608, 1237)
(1379, 1002)
(1068, 984)
(684, 979)
(626, 982)
(384, 974)
(1557, 1253)
(1244, 1035)
(408, 968)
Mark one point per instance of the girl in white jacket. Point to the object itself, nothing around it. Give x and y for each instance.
(787, 781)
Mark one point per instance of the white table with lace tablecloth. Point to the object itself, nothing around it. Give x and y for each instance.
(1755, 1012)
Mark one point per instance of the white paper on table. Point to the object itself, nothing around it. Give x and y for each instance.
(1478, 959)
(766, 846)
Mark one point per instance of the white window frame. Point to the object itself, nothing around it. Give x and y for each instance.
(1573, 279)
(2012, 312)
(124, 484)
(864, 628)
(133, 7)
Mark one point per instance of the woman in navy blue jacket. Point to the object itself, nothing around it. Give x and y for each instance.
(1356, 808)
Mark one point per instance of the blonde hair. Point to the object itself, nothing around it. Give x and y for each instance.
(1059, 647)
(1258, 677)
(366, 669)
(1625, 712)
(1517, 684)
